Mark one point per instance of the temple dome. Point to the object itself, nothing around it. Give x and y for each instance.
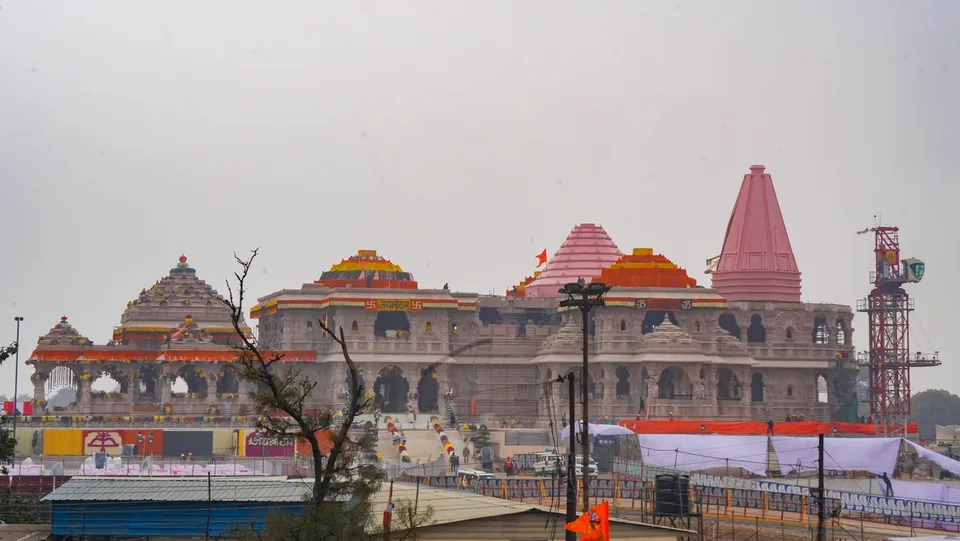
(643, 268)
(757, 261)
(584, 254)
(162, 308)
(64, 334)
(369, 270)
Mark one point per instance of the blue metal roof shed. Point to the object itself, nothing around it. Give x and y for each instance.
(171, 507)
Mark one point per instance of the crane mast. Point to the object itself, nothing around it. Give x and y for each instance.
(889, 357)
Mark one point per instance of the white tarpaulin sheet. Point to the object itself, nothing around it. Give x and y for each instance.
(945, 462)
(692, 452)
(928, 492)
(876, 455)
(597, 430)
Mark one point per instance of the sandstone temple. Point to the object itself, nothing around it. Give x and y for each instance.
(742, 347)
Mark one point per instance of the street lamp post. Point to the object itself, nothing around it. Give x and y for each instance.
(585, 297)
(16, 376)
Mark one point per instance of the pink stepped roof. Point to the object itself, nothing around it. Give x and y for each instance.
(757, 262)
(587, 250)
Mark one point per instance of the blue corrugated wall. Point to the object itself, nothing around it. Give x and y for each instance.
(167, 519)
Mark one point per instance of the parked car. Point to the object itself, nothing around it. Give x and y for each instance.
(470, 477)
(551, 464)
(548, 464)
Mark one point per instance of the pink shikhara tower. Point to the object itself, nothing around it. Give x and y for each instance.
(586, 251)
(757, 262)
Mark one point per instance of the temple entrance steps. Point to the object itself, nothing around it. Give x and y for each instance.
(456, 440)
(423, 445)
(421, 440)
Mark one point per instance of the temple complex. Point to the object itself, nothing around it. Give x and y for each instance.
(664, 345)
(177, 329)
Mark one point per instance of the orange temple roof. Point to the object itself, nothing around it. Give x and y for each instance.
(367, 269)
(643, 268)
(519, 290)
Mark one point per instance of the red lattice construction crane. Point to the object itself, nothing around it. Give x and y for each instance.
(888, 307)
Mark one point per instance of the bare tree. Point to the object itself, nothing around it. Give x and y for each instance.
(341, 490)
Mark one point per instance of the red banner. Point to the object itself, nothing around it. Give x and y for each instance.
(793, 428)
(25, 408)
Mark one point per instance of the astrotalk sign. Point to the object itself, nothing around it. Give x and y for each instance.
(261, 445)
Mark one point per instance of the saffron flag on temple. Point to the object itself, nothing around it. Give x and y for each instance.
(594, 525)
(542, 258)
(25, 408)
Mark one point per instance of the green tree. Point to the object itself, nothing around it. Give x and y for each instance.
(482, 438)
(14, 508)
(8, 440)
(934, 407)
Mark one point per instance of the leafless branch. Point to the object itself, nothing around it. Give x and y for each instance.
(288, 389)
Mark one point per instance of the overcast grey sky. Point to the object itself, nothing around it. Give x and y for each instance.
(461, 138)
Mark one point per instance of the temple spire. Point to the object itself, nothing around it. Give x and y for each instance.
(584, 254)
(757, 262)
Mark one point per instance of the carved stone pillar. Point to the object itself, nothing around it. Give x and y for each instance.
(745, 389)
(609, 389)
(212, 377)
(84, 397)
(243, 393)
(132, 377)
(700, 385)
(167, 377)
(39, 380)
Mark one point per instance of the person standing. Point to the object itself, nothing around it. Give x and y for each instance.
(889, 488)
(486, 459)
(455, 463)
(508, 467)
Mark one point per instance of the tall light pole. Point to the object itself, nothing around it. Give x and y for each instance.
(586, 298)
(16, 377)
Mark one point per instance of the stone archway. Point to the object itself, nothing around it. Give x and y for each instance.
(106, 382)
(728, 385)
(391, 388)
(193, 377)
(61, 377)
(756, 332)
(623, 381)
(673, 383)
(594, 385)
(428, 390)
(227, 381)
(822, 390)
(756, 387)
(148, 381)
(728, 322)
(666, 386)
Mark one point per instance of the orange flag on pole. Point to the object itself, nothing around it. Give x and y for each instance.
(542, 258)
(594, 525)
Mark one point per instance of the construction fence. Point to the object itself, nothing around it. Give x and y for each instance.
(632, 489)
